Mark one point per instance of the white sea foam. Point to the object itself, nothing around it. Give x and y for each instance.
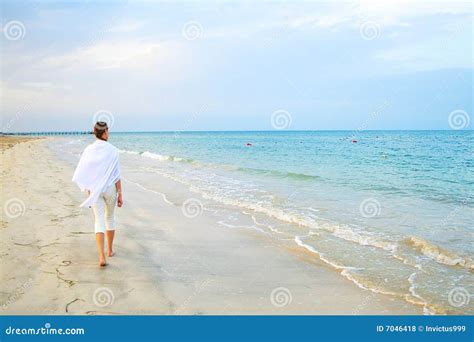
(128, 152)
(299, 242)
(439, 254)
(345, 270)
(363, 238)
(156, 156)
(165, 199)
(287, 215)
(228, 225)
(413, 298)
(229, 193)
(427, 310)
(273, 229)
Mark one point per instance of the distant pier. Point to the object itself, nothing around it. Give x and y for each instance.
(48, 133)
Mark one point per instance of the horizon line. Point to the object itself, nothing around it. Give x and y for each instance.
(239, 131)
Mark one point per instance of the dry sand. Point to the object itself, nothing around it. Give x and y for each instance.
(8, 141)
(165, 263)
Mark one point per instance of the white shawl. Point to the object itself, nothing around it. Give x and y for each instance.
(98, 168)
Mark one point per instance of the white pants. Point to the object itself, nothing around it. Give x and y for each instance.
(104, 210)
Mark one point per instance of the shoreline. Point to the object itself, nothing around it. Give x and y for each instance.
(166, 263)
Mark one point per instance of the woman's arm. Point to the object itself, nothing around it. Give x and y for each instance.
(118, 188)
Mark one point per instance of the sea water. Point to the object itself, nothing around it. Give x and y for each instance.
(392, 211)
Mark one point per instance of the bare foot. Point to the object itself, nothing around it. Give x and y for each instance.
(110, 253)
(102, 262)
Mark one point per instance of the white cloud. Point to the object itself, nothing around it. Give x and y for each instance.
(123, 72)
(333, 15)
(115, 54)
(414, 8)
(120, 75)
(385, 13)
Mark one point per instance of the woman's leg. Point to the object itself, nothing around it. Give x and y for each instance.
(99, 209)
(110, 202)
(110, 242)
(99, 237)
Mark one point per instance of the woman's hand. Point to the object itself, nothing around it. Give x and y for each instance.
(118, 188)
(120, 200)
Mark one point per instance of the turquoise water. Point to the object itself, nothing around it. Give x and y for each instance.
(436, 165)
(392, 211)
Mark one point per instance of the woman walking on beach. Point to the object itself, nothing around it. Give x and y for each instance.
(98, 172)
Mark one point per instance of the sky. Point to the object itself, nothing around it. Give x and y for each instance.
(236, 65)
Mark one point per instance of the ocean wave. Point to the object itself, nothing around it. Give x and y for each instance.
(128, 152)
(233, 226)
(280, 174)
(364, 239)
(268, 226)
(438, 254)
(156, 156)
(427, 308)
(321, 256)
(267, 172)
(343, 232)
(347, 233)
(348, 272)
(345, 270)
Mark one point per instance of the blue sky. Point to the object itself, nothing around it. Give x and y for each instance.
(215, 65)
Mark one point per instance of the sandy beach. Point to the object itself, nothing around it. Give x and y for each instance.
(165, 263)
